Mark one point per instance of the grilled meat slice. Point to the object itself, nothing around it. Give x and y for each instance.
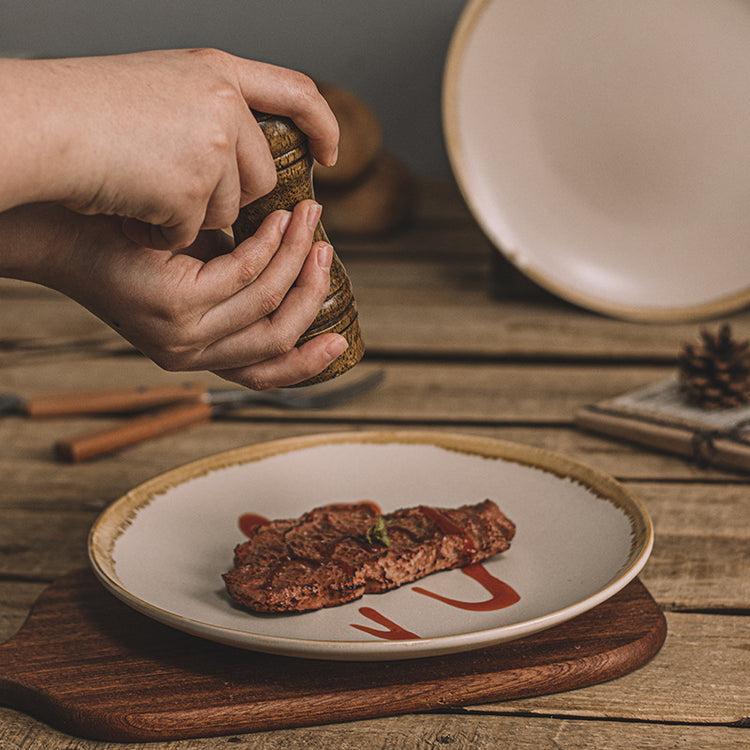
(327, 557)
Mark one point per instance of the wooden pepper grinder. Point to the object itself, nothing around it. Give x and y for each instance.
(294, 165)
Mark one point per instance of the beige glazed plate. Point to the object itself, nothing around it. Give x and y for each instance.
(581, 537)
(603, 147)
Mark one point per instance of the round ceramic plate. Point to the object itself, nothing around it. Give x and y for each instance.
(603, 147)
(580, 538)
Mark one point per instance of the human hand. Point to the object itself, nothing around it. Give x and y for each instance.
(237, 313)
(164, 138)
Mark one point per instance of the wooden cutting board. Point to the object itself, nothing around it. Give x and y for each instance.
(90, 666)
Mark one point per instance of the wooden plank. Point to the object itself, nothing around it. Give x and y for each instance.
(30, 472)
(445, 239)
(34, 316)
(701, 555)
(678, 685)
(464, 730)
(500, 400)
(700, 573)
(16, 599)
(696, 510)
(423, 307)
(42, 546)
(86, 372)
(411, 393)
(33, 479)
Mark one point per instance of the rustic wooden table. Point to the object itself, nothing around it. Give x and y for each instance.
(457, 356)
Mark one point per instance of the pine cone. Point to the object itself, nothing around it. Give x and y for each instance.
(715, 374)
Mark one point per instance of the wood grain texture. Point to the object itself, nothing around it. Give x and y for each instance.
(466, 730)
(683, 683)
(164, 421)
(28, 458)
(91, 666)
(294, 163)
(464, 349)
(670, 688)
(422, 308)
(426, 291)
(111, 400)
(411, 392)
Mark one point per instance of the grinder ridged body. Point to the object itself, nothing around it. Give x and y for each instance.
(294, 164)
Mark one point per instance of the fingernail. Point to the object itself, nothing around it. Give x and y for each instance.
(333, 159)
(336, 348)
(325, 256)
(313, 215)
(285, 219)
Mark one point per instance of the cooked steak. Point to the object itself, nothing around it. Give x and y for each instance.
(337, 553)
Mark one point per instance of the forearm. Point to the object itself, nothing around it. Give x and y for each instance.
(39, 151)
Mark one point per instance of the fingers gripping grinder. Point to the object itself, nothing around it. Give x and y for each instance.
(294, 170)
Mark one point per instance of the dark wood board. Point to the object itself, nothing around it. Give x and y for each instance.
(90, 666)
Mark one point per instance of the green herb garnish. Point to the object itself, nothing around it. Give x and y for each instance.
(378, 534)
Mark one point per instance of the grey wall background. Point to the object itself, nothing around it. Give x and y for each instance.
(389, 52)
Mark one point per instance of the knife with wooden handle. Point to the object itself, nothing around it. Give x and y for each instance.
(155, 423)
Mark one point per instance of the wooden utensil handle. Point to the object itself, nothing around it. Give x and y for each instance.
(112, 400)
(132, 431)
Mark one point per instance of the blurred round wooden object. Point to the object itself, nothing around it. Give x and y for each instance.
(360, 139)
(381, 201)
(368, 191)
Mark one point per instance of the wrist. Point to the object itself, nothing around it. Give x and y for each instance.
(36, 242)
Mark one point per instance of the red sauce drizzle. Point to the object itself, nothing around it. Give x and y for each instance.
(448, 527)
(503, 595)
(248, 522)
(394, 632)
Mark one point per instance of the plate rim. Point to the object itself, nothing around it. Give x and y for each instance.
(114, 520)
(721, 305)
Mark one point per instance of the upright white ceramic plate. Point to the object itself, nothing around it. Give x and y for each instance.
(581, 537)
(603, 147)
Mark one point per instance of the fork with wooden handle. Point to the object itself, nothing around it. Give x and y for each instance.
(198, 407)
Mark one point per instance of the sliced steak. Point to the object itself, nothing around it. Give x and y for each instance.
(337, 553)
